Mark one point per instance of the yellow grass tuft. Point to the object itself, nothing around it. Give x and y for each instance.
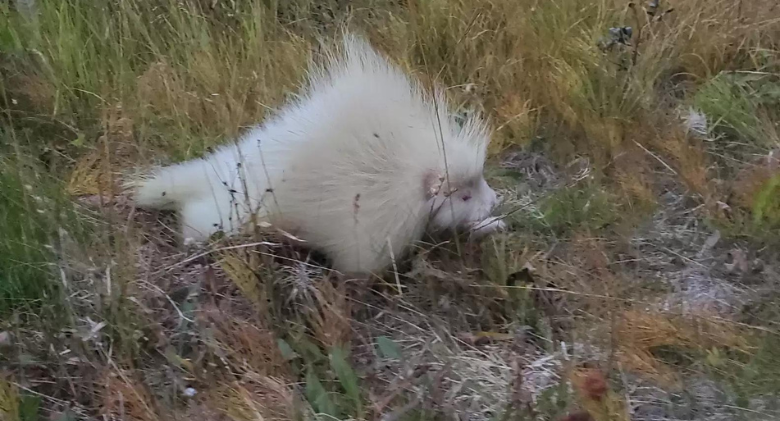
(256, 398)
(639, 333)
(249, 346)
(9, 400)
(239, 265)
(633, 176)
(688, 158)
(127, 398)
(331, 320)
(97, 172)
(518, 121)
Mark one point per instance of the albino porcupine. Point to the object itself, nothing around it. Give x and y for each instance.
(363, 161)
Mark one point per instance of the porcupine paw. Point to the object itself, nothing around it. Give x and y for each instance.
(486, 227)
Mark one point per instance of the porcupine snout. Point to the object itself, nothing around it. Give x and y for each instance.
(491, 200)
(485, 224)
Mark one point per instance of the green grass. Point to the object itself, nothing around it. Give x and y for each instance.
(35, 218)
(742, 112)
(739, 105)
(748, 376)
(766, 208)
(587, 208)
(27, 277)
(164, 63)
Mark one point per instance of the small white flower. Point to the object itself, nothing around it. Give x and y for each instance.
(695, 122)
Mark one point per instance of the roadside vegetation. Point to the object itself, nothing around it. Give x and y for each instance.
(636, 148)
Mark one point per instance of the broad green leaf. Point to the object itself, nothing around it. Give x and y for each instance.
(29, 407)
(388, 348)
(318, 397)
(346, 375)
(286, 349)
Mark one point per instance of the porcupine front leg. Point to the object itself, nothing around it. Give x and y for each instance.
(486, 227)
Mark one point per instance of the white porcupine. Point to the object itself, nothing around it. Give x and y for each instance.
(358, 167)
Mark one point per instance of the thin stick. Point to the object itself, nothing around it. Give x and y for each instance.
(657, 158)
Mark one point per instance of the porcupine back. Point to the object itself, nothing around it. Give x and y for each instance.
(358, 187)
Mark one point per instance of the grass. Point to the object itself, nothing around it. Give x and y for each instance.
(636, 281)
(37, 221)
(25, 261)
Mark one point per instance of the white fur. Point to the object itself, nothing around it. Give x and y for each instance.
(357, 164)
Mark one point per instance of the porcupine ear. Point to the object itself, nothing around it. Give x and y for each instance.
(433, 182)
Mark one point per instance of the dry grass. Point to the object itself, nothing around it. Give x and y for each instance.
(125, 397)
(640, 334)
(255, 398)
(642, 251)
(9, 400)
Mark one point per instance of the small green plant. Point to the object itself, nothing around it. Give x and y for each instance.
(579, 208)
(553, 401)
(750, 376)
(503, 267)
(735, 103)
(29, 407)
(334, 389)
(332, 386)
(766, 205)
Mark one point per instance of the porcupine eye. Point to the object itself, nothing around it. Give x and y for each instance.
(466, 197)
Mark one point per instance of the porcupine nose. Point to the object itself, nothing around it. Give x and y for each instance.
(493, 199)
(489, 204)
